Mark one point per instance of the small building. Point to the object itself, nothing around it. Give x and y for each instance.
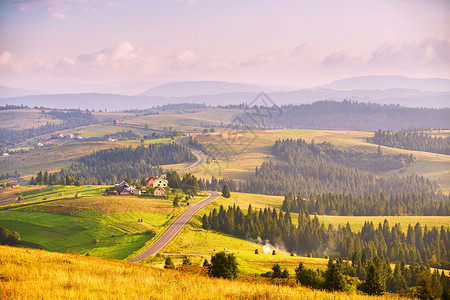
(11, 184)
(160, 183)
(113, 139)
(5, 154)
(149, 181)
(159, 191)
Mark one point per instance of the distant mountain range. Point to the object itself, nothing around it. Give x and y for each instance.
(6, 92)
(390, 82)
(196, 88)
(433, 93)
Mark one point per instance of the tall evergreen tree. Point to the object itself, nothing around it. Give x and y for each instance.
(374, 285)
(226, 191)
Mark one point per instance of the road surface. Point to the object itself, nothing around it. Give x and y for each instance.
(173, 229)
(201, 158)
(176, 226)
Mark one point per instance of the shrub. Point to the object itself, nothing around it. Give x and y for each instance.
(168, 264)
(224, 265)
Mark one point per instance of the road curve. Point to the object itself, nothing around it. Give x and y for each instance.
(173, 229)
(201, 158)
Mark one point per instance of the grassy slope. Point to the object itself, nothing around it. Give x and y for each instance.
(242, 153)
(103, 226)
(194, 240)
(24, 119)
(35, 274)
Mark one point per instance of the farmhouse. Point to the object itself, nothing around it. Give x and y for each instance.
(149, 181)
(160, 183)
(113, 139)
(159, 191)
(11, 184)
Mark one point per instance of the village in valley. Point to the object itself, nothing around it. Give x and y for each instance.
(154, 186)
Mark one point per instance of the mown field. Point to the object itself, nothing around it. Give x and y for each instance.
(37, 274)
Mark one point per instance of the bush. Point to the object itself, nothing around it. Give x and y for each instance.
(309, 277)
(186, 261)
(224, 265)
(168, 264)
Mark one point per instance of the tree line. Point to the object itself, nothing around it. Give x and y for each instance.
(412, 139)
(350, 115)
(368, 204)
(375, 277)
(321, 168)
(111, 166)
(423, 245)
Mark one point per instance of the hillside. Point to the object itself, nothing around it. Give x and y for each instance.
(37, 274)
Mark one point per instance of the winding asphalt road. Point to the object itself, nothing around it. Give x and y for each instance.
(179, 223)
(173, 229)
(201, 158)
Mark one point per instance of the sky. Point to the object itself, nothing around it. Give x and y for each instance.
(129, 46)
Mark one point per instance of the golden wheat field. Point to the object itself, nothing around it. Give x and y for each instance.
(37, 274)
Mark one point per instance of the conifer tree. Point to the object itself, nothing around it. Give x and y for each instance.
(226, 191)
(373, 285)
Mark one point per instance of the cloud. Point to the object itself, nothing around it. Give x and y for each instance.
(430, 51)
(5, 59)
(58, 8)
(60, 16)
(185, 2)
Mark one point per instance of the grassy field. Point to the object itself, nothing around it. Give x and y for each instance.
(25, 119)
(37, 274)
(49, 158)
(104, 226)
(357, 222)
(56, 157)
(239, 153)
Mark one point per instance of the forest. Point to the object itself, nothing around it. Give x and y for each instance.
(111, 166)
(368, 204)
(321, 168)
(411, 140)
(422, 245)
(349, 115)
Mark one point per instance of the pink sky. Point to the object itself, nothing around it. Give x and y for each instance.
(128, 46)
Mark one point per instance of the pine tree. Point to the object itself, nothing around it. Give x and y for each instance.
(334, 279)
(276, 271)
(176, 201)
(226, 191)
(373, 285)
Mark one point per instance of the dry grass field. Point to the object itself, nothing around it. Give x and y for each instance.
(241, 152)
(37, 274)
(25, 118)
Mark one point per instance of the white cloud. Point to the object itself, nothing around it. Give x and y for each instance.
(185, 2)
(5, 59)
(59, 16)
(58, 8)
(430, 51)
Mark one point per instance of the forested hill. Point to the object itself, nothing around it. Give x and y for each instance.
(113, 165)
(348, 115)
(310, 168)
(412, 140)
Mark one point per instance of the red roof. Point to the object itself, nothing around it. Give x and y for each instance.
(150, 180)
